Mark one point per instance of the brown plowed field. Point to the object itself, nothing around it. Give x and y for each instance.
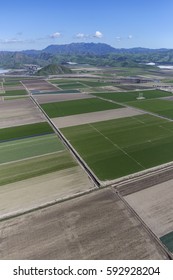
(154, 205)
(31, 193)
(95, 117)
(18, 112)
(39, 85)
(94, 226)
(60, 97)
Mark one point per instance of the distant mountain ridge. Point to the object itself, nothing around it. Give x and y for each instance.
(98, 54)
(80, 48)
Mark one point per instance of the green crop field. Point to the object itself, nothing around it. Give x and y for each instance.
(24, 169)
(22, 131)
(161, 107)
(55, 92)
(16, 97)
(133, 95)
(95, 83)
(62, 81)
(71, 86)
(15, 92)
(116, 148)
(29, 147)
(167, 240)
(80, 106)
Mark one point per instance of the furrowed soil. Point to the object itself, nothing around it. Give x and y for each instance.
(94, 226)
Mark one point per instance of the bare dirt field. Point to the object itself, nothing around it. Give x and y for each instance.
(60, 97)
(94, 226)
(39, 85)
(95, 117)
(154, 205)
(31, 193)
(112, 88)
(18, 112)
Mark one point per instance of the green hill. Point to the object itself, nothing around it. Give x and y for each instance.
(53, 69)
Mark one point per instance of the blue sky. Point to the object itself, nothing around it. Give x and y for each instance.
(35, 24)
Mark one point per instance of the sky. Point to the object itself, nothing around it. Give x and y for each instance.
(35, 24)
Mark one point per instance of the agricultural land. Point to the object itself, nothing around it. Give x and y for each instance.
(86, 158)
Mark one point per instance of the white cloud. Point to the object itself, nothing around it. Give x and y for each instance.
(118, 38)
(55, 35)
(130, 37)
(81, 36)
(98, 34)
(11, 41)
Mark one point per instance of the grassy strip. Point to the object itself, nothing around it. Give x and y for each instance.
(15, 92)
(17, 132)
(167, 240)
(96, 83)
(56, 92)
(133, 95)
(120, 147)
(12, 83)
(16, 97)
(72, 86)
(67, 108)
(29, 147)
(29, 168)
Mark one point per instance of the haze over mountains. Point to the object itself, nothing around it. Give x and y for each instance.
(91, 53)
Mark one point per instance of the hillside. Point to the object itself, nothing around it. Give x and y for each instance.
(53, 69)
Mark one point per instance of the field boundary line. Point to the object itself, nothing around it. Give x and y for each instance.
(63, 139)
(108, 139)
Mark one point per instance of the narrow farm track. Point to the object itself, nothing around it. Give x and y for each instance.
(69, 146)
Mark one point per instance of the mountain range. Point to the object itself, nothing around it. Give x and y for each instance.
(92, 53)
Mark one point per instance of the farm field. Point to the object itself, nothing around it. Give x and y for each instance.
(158, 106)
(67, 108)
(28, 148)
(15, 92)
(57, 92)
(49, 98)
(87, 227)
(116, 148)
(36, 166)
(38, 85)
(154, 206)
(133, 95)
(93, 117)
(72, 85)
(29, 130)
(30, 193)
(12, 84)
(19, 112)
(167, 240)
